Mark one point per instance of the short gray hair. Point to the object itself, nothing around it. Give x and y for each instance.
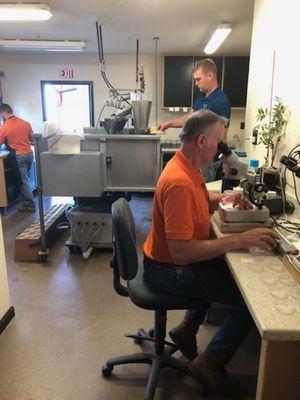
(207, 65)
(201, 122)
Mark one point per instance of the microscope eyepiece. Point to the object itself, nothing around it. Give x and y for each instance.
(224, 149)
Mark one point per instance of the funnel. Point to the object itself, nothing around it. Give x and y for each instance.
(141, 113)
(113, 125)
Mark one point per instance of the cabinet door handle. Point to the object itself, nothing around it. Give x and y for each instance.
(108, 160)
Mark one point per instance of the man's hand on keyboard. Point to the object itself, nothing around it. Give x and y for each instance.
(263, 238)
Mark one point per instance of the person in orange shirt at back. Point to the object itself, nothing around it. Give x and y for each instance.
(17, 135)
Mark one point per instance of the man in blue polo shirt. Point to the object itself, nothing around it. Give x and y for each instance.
(210, 97)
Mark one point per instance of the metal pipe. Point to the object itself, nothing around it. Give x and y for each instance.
(98, 42)
(101, 44)
(37, 146)
(137, 64)
(156, 81)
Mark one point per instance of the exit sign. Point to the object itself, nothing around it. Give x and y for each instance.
(66, 73)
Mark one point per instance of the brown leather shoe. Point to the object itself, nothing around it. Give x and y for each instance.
(207, 369)
(184, 336)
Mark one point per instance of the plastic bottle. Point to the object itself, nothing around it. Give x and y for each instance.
(253, 166)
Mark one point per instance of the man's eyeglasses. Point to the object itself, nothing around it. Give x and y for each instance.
(197, 79)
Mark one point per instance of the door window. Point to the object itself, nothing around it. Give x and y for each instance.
(68, 103)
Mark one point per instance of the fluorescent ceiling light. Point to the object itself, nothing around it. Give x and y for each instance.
(218, 37)
(24, 12)
(42, 45)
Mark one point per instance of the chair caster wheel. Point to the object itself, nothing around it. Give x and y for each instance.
(142, 333)
(106, 370)
(151, 333)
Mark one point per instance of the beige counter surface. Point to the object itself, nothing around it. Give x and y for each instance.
(214, 186)
(271, 293)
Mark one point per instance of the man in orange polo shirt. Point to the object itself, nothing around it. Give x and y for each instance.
(181, 259)
(17, 134)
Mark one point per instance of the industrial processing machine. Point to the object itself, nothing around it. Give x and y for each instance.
(126, 103)
(112, 162)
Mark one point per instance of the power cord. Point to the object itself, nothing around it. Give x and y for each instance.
(287, 225)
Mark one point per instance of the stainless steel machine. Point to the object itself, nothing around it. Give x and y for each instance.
(107, 166)
(112, 162)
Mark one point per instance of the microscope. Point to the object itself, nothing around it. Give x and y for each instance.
(253, 188)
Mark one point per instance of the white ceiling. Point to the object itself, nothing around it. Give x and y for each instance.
(181, 25)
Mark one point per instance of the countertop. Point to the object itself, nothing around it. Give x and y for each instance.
(169, 149)
(88, 134)
(214, 186)
(260, 279)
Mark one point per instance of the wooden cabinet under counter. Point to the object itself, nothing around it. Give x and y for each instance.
(9, 188)
(9, 182)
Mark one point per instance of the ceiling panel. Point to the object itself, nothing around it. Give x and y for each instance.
(182, 26)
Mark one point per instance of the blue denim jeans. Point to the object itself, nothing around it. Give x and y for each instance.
(24, 164)
(207, 281)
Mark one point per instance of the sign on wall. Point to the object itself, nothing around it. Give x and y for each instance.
(66, 73)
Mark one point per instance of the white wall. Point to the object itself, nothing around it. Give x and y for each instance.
(23, 73)
(276, 29)
(4, 295)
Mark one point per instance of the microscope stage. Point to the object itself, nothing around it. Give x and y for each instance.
(228, 213)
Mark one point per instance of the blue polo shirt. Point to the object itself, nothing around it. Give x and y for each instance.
(217, 102)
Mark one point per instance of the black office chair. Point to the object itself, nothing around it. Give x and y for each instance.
(125, 265)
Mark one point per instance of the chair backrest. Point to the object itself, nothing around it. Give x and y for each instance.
(124, 239)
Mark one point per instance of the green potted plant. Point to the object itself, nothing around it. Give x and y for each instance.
(271, 127)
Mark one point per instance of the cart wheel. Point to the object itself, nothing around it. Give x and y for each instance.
(71, 249)
(106, 370)
(44, 257)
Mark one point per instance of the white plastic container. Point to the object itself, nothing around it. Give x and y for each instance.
(62, 140)
(64, 144)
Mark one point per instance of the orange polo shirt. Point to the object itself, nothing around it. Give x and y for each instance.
(17, 133)
(180, 208)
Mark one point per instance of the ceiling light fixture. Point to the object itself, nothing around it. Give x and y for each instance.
(218, 37)
(24, 12)
(42, 45)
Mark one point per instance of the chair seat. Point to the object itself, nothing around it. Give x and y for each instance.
(151, 299)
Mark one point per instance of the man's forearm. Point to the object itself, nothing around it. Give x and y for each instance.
(185, 252)
(179, 122)
(188, 252)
